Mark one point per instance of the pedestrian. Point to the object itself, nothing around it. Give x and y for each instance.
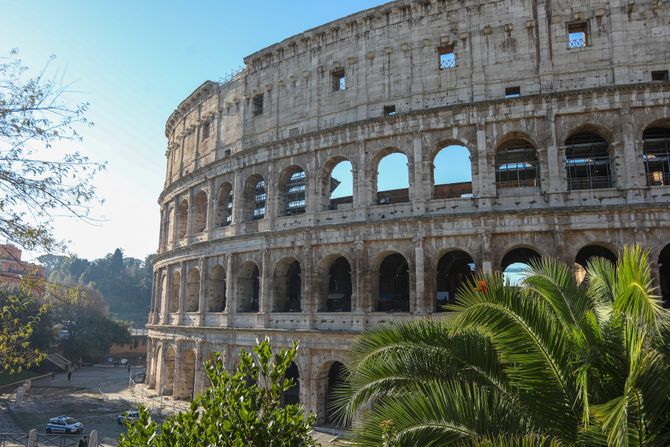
(83, 442)
(128, 367)
(52, 375)
(69, 375)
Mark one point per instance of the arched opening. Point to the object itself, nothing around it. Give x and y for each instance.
(453, 270)
(657, 155)
(293, 189)
(587, 162)
(168, 385)
(664, 275)
(224, 206)
(338, 297)
(187, 376)
(200, 214)
(193, 290)
(392, 179)
(336, 377)
(174, 291)
(288, 286)
(182, 219)
(338, 187)
(248, 286)
(585, 255)
(452, 173)
(516, 263)
(517, 165)
(393, 284)
(292, 395)
(216, 290)
(255, 197)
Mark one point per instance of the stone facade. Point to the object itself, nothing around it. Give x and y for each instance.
(563, 106)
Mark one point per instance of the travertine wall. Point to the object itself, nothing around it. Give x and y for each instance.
(390, 58)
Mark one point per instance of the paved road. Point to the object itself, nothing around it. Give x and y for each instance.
(94, 396)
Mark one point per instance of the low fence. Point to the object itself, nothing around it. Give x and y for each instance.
(35, 439)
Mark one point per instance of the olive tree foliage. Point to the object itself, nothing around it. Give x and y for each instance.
(38, 180)
(241, 409)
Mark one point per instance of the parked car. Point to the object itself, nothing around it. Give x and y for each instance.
(128, 416)
(65, 425)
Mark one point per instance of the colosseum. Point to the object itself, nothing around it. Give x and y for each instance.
(522, 128)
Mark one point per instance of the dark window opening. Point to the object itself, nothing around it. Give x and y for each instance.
(288, 287)
(339, 286)
(205, 130)
(295, 193)
(292, 395)
(587, 162)
(393, 284)
(258, 105)
(248, 288)
(577, 37)
(453, 270)
(517, 165)
(447, 57)
(512, 92)
(259, 201)
(339, 80)
(389, 110)
(661, 75)
(586, 254)
(336, 378)
(657, 155)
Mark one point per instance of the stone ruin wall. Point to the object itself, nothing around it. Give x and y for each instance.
(390, 57)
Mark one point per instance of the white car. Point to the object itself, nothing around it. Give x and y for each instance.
(65, 425)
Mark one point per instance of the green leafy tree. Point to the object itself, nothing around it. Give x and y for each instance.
(239, 410)
(25, 329)
(550, 363)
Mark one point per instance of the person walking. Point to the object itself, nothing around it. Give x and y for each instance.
(69, 375)
(83, 442)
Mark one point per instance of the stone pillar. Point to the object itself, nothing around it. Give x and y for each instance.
(271, 196)
(174, 224)
(486, 183)
(238, 200)
(190, 216)
(210, 225)
(555, 176)
(168, 295)
(264, 306)
(231, 301)
(202, 296)
(362, 184)
(420, 305)
(632, 174)
(419, 187)
(308, 392)
(182, 291)
(486, 256)
(200, 373)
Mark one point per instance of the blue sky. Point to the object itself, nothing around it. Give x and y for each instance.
(135, 62)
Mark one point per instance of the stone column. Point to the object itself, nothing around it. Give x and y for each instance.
(486, 183)
(210, 226)
(419, 186)
(264, 306)
(190, 216)
(420, 305)
(178, 386)
(182, 291)
(555, 176)
(174, 223)
(202, 296)
(238, 201)
(200, 373)
(632, 174)
(231, 301)
(486, 256)
(165, 306)
(362, 184)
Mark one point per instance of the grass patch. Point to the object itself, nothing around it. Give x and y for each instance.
(6, 379)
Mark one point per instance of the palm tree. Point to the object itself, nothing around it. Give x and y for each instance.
(549, 363)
